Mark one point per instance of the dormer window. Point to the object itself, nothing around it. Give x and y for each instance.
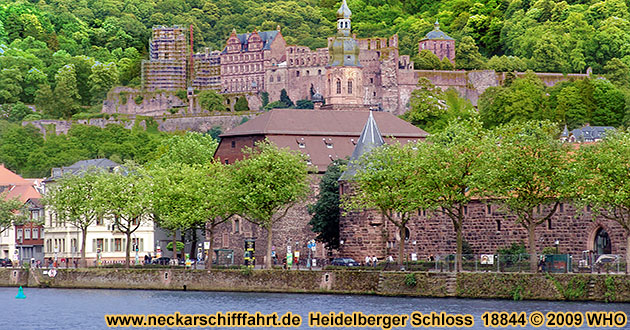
(301, 143)
(329, 143)
(308, 159)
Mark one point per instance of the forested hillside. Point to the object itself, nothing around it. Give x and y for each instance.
(50, 47)
(64, 55)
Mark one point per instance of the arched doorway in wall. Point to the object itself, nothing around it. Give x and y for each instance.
(602, 244)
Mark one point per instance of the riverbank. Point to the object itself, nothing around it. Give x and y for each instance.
(517, 286)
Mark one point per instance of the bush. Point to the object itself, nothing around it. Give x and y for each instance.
(182, 95)
(138, 99)
(241, 104)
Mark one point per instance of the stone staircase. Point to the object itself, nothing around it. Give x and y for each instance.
(451, 284)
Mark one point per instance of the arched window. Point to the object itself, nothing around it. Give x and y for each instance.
(338, 86)
(349, 86)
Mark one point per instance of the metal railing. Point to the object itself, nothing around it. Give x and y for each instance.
(514, 263)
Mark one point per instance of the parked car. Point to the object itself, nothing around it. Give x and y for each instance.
(6, 262)
(349, 262)
(161, 261)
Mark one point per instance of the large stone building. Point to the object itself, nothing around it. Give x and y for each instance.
(245, 58)
(169, 66)
(321, 135)
(486, 228)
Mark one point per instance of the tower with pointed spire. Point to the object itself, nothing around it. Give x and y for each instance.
(369, 139)
(439, 43)
(344, 73)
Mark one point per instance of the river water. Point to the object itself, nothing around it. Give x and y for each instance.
(85, 309)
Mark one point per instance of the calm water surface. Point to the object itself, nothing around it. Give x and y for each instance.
(85, 309)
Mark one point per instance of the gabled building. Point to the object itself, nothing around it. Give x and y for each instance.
(245, 58)
(103, 242)
(22, 241)
(321, 135)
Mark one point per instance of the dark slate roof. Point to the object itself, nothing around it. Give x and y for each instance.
(267, 38)
(102, 163)
(437, 34)
(370, 138)
(590, 133)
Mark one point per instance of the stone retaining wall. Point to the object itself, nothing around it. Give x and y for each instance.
(581, 287)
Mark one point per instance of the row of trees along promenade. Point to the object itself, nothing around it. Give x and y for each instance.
(519, 167)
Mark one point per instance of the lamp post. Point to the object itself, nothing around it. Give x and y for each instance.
(556, 243)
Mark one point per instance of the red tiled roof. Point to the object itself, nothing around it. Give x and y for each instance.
(324, 122)
(7, 177)
(322, 135)
(22, 192)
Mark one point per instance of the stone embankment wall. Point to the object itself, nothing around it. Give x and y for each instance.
(578, 287)
(166, 123)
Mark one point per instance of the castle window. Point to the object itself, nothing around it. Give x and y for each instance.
(489, 209)
(308, 73)
(338, 86)
(271, 79)
(319, 72)
(227, 161)
(233, 144)
(371, 80)
(297, 73)
(498, 225)
(549, 223)
(561, 207)
(349, 86)
(279, 78)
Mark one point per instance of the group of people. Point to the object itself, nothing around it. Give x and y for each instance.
(371, 261)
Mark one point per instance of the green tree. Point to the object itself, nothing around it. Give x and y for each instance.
(190, 148)
(123, 196)
(304, 104)
(325, 212)
(284, 98)
(103, 78)
(604, 181)
(447, 166)
(75, 199)
(210, 100)
(618, 72)
(14, 112)
(241, 104)
(426, 60)
(32, 80)
(525, 99)
(446, 64)
(11, 212)
(66, 91)
(10, 85)
(267, 183)
(193, 196)
(386, 180)
(45, 101)
(426, 104)
(467, 55)
(526, 172)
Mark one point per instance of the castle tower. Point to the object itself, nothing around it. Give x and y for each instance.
(439, 43)
(344, 73)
